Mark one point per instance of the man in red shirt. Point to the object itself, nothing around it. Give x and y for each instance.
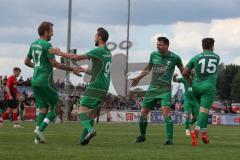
(12, 97)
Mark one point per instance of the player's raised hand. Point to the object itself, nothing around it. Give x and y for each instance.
(55, 51)
(135, 81)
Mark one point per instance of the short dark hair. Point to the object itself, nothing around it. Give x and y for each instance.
(207, 43)
(44, 26)
(163, 39)
(15, 69)
(103, 33)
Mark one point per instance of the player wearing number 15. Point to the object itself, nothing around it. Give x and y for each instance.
(97, 89)
(205, 65)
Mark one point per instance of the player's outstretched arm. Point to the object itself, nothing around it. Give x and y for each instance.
(61, 66)
(144, 72)
(28, 62)
(81, 69)
(58, 52)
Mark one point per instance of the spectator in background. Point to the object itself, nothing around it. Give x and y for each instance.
(58, 84)
(1, 101)
(21, 81)
(28, 82)
(1, 81)
(4, 81)
(13, 96)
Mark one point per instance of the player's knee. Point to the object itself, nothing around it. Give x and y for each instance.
(203, 109)
(144, 112)
(194, 118)
(83, 109)
(43, 111)
(166, 111)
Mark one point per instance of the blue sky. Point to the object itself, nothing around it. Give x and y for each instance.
(184, 22)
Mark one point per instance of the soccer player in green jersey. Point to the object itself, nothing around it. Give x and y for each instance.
(205, 66)
(190, 104)
(162, 63)
(43, 86)
(97, 90)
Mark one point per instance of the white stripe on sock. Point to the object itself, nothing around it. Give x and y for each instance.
(197, 128)
(46, 120)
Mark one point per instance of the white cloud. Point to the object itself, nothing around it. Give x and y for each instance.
(186, 38)
(237, 60)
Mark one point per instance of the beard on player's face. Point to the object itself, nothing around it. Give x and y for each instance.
(96, 43)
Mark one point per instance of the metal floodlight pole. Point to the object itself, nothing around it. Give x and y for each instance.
(127, 50)
(69, 37)
(67, 83)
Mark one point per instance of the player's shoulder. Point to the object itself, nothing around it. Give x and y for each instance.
(10, 78)
(216, 55)
(42, 44)
(154, 54)
(96, 50)
(172, 54)
(197, 56)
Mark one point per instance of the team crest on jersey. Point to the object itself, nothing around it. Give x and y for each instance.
(168, 63)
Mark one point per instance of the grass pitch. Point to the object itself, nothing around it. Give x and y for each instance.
(114, 142)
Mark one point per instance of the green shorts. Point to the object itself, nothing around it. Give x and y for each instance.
(45, 96)
(205, 93)
(191, 106)
(150, 102)
(90, 102)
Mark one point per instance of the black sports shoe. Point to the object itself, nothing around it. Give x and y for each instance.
(88, 137)
(168, 142)
(140, 139)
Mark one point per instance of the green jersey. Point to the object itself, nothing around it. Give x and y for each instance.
(43, 69)
(188, 89)
(163, 67)
(101, 64)
(205, 65)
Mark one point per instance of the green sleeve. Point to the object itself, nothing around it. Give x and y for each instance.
(150, 63)
(179, 63)
(94, 53)
(49, 55)
(29, 55)
(180, 80)
(190, 64)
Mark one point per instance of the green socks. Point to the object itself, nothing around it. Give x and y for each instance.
(187, 122)
(193, 121)
(86, 121)
(143, 125)
(169, 128)
(202, 120)
(49, 117)
(40, 118)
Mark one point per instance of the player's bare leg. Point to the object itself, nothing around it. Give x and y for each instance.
(142, 125)
(169, 125)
